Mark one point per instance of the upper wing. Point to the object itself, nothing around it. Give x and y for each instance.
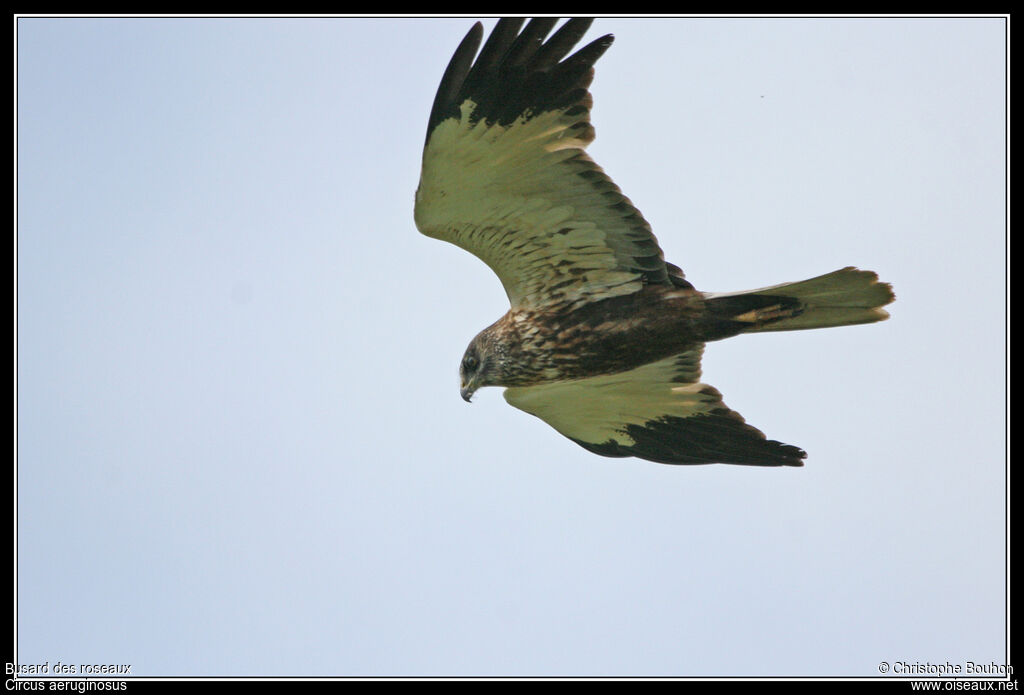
(505, 175)
(659, 412)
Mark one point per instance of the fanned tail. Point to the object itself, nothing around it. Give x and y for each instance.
(841, 298)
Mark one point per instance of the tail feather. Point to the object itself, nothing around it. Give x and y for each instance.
(841, 298)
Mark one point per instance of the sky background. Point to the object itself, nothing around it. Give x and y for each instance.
(241, 447)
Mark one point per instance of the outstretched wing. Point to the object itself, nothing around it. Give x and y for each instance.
(505, 175)
(659, 412)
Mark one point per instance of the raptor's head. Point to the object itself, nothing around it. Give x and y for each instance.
(481, 364)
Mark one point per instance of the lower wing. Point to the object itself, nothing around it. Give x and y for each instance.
(659, 412)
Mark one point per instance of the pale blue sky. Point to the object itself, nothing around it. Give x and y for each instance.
(241, 446)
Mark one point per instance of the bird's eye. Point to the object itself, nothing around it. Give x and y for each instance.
(469, 362)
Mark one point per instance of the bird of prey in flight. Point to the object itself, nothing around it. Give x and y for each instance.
(603, 340)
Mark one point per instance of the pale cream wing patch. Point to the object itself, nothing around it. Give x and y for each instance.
(527, 200)
(597, 409)
(659, 412)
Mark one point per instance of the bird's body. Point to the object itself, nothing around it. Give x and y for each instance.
(604, 338)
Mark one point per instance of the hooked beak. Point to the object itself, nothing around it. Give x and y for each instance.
(467, 389)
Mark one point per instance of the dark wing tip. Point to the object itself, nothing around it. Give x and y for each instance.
(455, 75)
(519, 72)
(717, 437)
